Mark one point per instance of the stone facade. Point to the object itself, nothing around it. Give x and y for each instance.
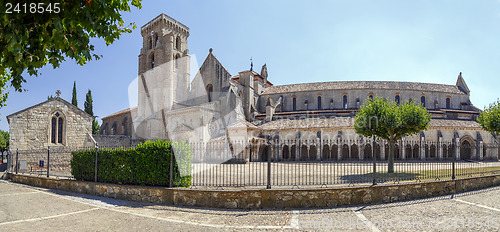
(216, 106)
(55, 123)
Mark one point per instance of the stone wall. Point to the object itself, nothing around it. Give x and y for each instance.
(113, 140)
(31, 128)
(266, 198)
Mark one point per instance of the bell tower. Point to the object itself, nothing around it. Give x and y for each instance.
(163, 81)
(164, 39)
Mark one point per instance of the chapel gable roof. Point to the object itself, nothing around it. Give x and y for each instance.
(71, 106)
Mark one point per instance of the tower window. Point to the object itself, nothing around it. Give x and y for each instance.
(57, 129)
(150, 42)
(152, 60)
(344, 101)
(319, 102)
(422, 100)
(448, 103)
(176, 61)
(178, 43)
(210, 90)
(397, 99)
(294, 102)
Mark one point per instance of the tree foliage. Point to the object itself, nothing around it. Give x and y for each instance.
(88, 108)
(490, 118)
(391, 121)
(87, 105)
(4, 141)
(30, 41)
(74, 99)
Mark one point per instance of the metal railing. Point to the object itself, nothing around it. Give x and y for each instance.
(296, 163)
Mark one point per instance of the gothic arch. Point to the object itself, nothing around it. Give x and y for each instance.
(57, 127)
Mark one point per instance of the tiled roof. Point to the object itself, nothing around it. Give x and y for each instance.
(358, 85)
(349, 123)
(121, 112)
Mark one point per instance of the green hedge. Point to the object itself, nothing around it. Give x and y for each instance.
(146, 164)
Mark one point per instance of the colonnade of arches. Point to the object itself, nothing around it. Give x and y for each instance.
(349, 151)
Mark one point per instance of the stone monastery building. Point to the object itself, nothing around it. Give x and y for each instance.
(309, 121)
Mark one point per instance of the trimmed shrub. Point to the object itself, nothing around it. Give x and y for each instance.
(146, 164)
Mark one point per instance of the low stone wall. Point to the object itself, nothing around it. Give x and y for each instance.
(265, 198)
(113, 140)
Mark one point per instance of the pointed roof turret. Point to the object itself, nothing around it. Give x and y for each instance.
(462, 85)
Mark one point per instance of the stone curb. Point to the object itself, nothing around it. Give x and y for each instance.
(265, 198)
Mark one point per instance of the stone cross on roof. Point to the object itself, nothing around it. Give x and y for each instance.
(58, 92)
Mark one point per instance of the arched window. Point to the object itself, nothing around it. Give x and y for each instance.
(178, 43)
(319, 103)
(150, 42)
(294, 102)
(125, 126)
(57, 129)
(448, 103)
(397, 99)
(176, 60)
(114, 128)
(344, 101)
(156, 40)
(210, 90)
(152, 60)
(370, 96)
(422, 100)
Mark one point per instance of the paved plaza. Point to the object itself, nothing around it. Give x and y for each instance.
(25, 208)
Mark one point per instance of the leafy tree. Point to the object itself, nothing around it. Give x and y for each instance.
(30, 41)
(4, 142)
(391, 121)
(74, 100)
(88, 103)
(89, 110)
(490, 118)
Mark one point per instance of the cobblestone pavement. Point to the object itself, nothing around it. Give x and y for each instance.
(24, 208)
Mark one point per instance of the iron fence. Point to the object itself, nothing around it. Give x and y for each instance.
(297, 163)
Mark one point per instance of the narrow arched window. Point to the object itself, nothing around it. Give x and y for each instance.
(156, 40)
(176, 60)
(294, 102)
(57, 129)
(210, 90)
(422, 100)
(114, 128)
(152, 60)
(319, 103)
(178, 43)
(150, 43)
(60, 123)
(54, 130)
(344, 101)
(397, 99)
(448, 103)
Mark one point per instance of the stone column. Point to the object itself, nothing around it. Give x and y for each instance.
(319, 149)
(382, 149)
(457, 149)
(481, 146)
(439, 148)
(422, 148)
(339, 149)
(361, 151)
(297, 149)
(403, 150)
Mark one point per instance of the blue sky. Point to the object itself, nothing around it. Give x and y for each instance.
(301, 41)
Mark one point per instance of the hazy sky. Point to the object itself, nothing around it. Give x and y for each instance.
(301, 41)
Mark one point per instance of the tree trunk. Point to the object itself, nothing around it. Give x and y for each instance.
(390, 168)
